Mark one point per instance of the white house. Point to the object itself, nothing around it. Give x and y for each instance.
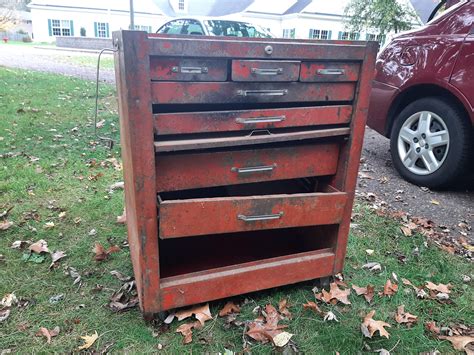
(90, 18)
(316, 19)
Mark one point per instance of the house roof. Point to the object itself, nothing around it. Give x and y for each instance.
(210, 8)
(141, 6)
(326, 7)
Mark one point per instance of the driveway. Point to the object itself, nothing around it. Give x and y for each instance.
(377, 176)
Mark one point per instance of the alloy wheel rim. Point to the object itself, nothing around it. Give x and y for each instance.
(423, 143)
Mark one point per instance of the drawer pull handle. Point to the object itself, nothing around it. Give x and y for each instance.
(266, 71)
(263, 217)
(262, 92)
(254, 120)
(254, 169)
(331, 71)
(190, 70)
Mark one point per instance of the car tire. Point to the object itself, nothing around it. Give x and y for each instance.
(431, 142)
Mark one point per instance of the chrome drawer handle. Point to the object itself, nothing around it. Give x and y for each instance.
(263, 217)
(331, 71)
(262, 92)
(254, 120)
(266, 71)
(190, 70)
(254, 169)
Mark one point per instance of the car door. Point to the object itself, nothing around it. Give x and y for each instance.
(462, 76)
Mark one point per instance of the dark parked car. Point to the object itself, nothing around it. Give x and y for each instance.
(423, 98)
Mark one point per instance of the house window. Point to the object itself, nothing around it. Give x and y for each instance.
(353, 36)
(289, 33)
(181, 5)
(374, 37)
(101, 29)
(319, 34)
(143, 28)
(60, 28)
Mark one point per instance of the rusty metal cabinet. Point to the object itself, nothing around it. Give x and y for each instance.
(240, 160)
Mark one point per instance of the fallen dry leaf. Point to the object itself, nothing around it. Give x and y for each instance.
(230, 307)
(460, 342)
(280, 340)
(123, 218)
(439, 288)
(4, 314)
(4, 225)
(187, 331)
(55, 257)
(368, 292)
(202, 313)
(283, 308)
(389, 289)
(403, 317)
(370, 326)
(432, 327)
(89, 340)
(373, 266)
(102, 254)
(265, 331)
(120, 276)
(434, 202)
(335, 293)
(313, 306)
(20, 244)
(407, 232)
(329, 316)
(9, 300)
(48, 225)
(48, 334)
(41, 246)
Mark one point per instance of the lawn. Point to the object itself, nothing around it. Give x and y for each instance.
(56, 177)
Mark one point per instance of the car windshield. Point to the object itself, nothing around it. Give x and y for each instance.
(440, 10)
(236, 29)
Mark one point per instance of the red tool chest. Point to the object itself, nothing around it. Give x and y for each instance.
(240, 160)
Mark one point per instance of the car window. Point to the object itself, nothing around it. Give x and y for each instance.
(172, 27)
(192, 27)
(236, 29)
(440, 11)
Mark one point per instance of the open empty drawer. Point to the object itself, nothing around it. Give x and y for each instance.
(182, 217)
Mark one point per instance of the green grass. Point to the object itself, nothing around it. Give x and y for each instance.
(49, 117)
(106, 62)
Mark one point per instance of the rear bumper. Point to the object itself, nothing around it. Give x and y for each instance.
(381, 99)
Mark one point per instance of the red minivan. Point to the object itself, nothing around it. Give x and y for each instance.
(423, 98)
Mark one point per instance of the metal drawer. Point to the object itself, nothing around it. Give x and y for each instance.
(189, 171)
(265, 70)
(329, 72)
(202, 216)
(187, 69)
(241, 120)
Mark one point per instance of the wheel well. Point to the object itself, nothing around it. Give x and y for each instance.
(414, 93)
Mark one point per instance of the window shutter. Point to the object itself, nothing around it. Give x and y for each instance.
(366, 36)
(357, 36)
(329, 34)
(339, 36)
(310, 33)
(50, 28)
(292, 33)
(107, 30)
(96, 34)
(71, 24)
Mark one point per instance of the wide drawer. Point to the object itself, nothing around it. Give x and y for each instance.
(189, 171)
(265, 70)
(202, 216)
(187, 69)
(241, 120)
(234, 92)
(329, 72)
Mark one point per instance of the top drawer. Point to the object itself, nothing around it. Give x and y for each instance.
(265, 70)
(187, 69)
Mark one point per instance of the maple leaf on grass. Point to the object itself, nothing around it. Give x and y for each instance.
(48, 334)
(438, 288)
(432, 327)
(283, 308)
(369, 326)
(41, 246)
(268, 329)
(89, 340)
(460, 342)
(368, 292)
(313, 306)
(187, 331)
(334, 295)
(230, 307)
(55, 257)
(202, 313)
(102, 254)
(4, 225)
(403, 317)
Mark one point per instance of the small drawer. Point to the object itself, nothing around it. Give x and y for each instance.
(244, 120)
(265, 70)
(202, 216)
(187, 69)
(190, 171)
(329, 72)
